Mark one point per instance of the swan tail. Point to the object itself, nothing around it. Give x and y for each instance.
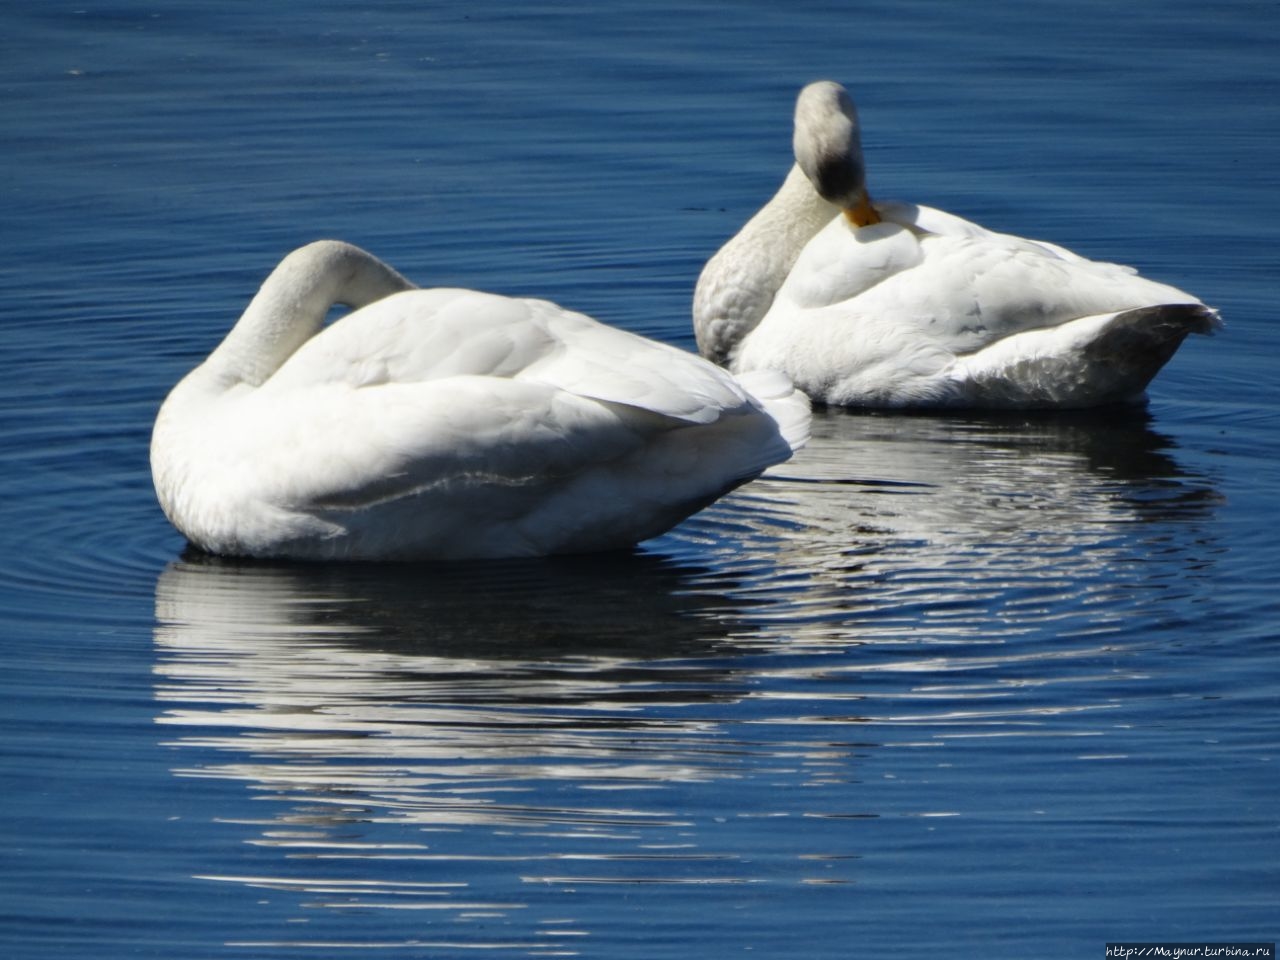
(1109, 358)
(1196, 317)
(1149, 336)
(778, 397)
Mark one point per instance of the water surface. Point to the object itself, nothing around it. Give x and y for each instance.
(966, 686)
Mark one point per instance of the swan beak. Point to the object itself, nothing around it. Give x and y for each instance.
(862, 214)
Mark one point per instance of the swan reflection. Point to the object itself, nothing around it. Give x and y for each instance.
(519, 660)
(939, 529)
(619, 605)
(461, 719)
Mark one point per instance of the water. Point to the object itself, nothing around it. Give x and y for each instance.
(965, 686)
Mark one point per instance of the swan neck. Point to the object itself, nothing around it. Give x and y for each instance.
(802, 209)
(292, 303)
(738, 284)
(780, 229)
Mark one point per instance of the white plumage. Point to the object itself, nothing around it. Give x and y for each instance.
(432, 424)
(898, 305)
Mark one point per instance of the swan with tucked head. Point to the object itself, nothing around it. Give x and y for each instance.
(902, 305)
(445, 423)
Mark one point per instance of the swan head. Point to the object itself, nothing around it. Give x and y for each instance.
(829, 150)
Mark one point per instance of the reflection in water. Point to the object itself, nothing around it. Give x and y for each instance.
(393, 711)
(618, 606)
(946, 528)
(478, 740)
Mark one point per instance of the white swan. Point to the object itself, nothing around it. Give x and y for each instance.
(434, 424)
(898, 305)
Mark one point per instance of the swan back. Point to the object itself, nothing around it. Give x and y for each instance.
(894, 315)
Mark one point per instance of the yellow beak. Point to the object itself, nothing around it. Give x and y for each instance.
(862, 214)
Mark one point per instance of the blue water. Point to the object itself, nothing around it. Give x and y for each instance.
(964, 687)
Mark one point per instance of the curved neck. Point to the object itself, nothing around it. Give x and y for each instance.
(792, 217)
(738, 284)
(292, 303)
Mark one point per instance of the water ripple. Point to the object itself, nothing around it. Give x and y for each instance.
(980, 530)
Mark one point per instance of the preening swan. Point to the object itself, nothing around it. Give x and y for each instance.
(435, 424)
(900, 305)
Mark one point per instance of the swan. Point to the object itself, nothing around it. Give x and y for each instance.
(902, 305)
(448, 424)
